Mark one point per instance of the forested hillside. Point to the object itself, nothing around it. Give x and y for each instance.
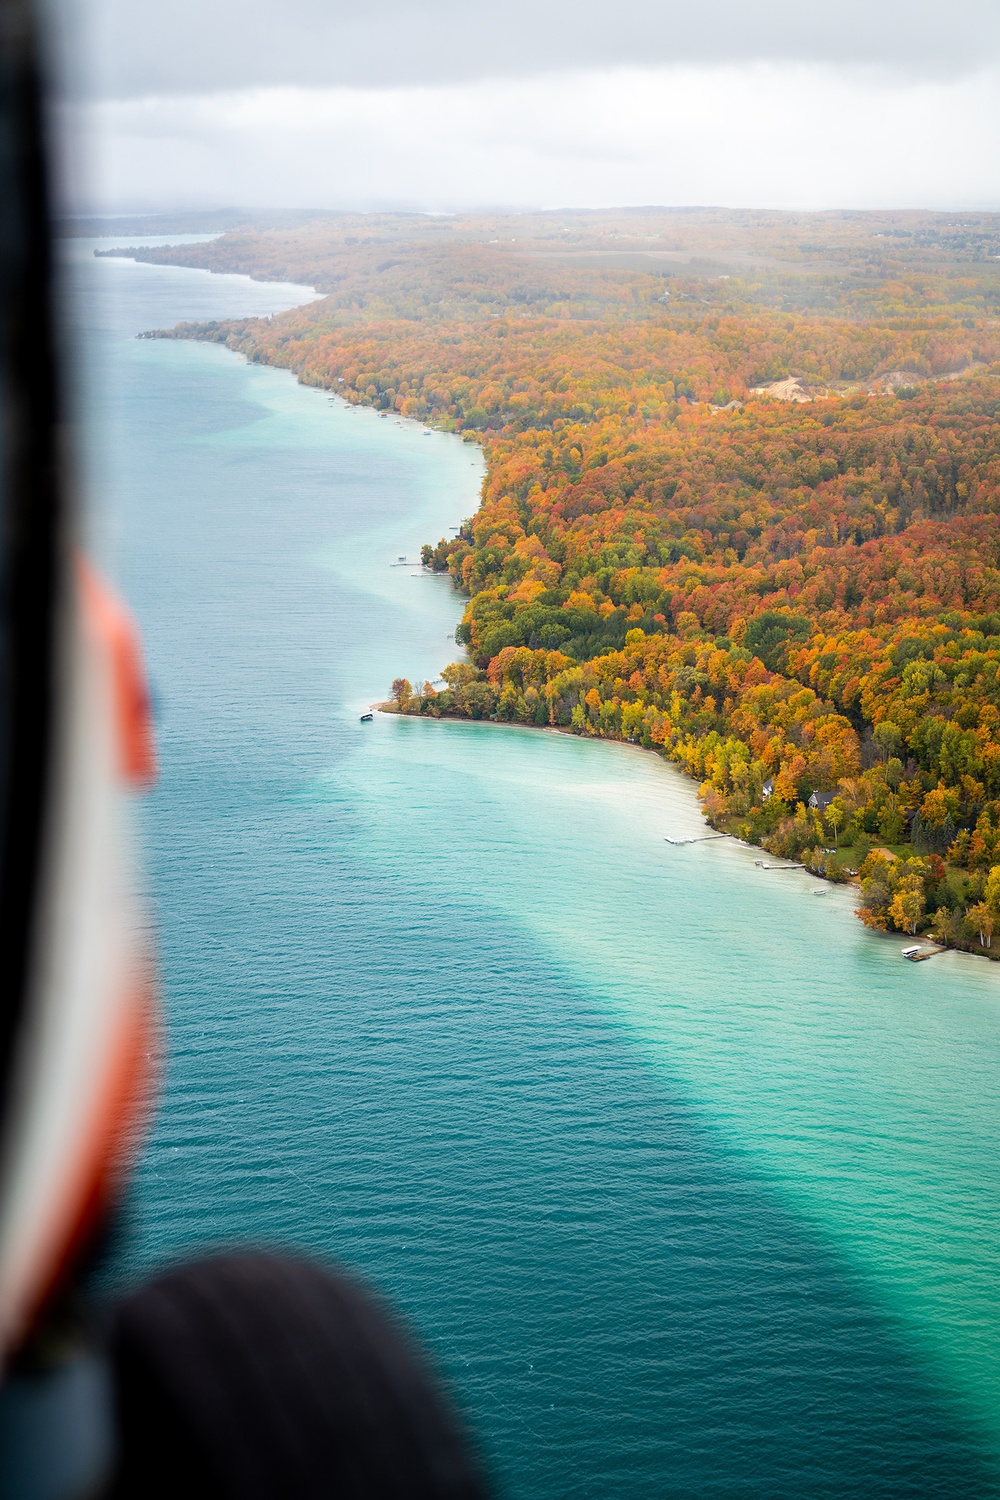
(741, 503)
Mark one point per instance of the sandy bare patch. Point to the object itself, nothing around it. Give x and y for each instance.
(791, 389)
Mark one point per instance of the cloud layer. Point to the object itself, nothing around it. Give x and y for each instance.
(776, 134)
(450, 103)
(123, 49)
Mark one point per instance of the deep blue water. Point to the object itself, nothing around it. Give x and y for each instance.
(688, 1183)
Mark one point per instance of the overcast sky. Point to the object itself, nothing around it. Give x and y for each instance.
(439, 104)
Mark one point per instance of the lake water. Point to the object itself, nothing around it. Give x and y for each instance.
(689, 1183)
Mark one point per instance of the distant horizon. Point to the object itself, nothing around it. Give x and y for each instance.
(299, 210)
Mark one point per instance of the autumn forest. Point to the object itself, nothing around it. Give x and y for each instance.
(741, 507)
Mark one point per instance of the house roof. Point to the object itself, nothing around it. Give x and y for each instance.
(821, 799)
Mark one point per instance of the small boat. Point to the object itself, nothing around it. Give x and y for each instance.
(916, 954)
(367, 718)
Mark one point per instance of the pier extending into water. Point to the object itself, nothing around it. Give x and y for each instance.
(699, 838)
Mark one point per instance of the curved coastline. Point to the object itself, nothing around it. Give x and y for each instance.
(612, 510)
(401, 961)
(387, 707)
(197, 331)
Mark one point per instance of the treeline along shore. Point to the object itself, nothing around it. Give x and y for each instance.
(741, 503)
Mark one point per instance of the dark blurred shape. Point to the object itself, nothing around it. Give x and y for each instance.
(31, 550)
(253, 1376)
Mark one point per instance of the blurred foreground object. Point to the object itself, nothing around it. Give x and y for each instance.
(256, 1376)
(75, 741)
(240, 1376)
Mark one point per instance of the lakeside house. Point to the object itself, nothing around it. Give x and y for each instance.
(820, 801)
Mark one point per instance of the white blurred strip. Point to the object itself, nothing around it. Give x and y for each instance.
(83, 1059)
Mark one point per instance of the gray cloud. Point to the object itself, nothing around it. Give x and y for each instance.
(121, 49)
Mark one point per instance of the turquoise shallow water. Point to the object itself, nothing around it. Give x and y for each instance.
(689, 1182)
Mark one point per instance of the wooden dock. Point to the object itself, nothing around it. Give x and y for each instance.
(916, 954)
(699, 838)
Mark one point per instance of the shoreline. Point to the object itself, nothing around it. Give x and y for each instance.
(562, 729)
(429, 427)
(365, 347)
